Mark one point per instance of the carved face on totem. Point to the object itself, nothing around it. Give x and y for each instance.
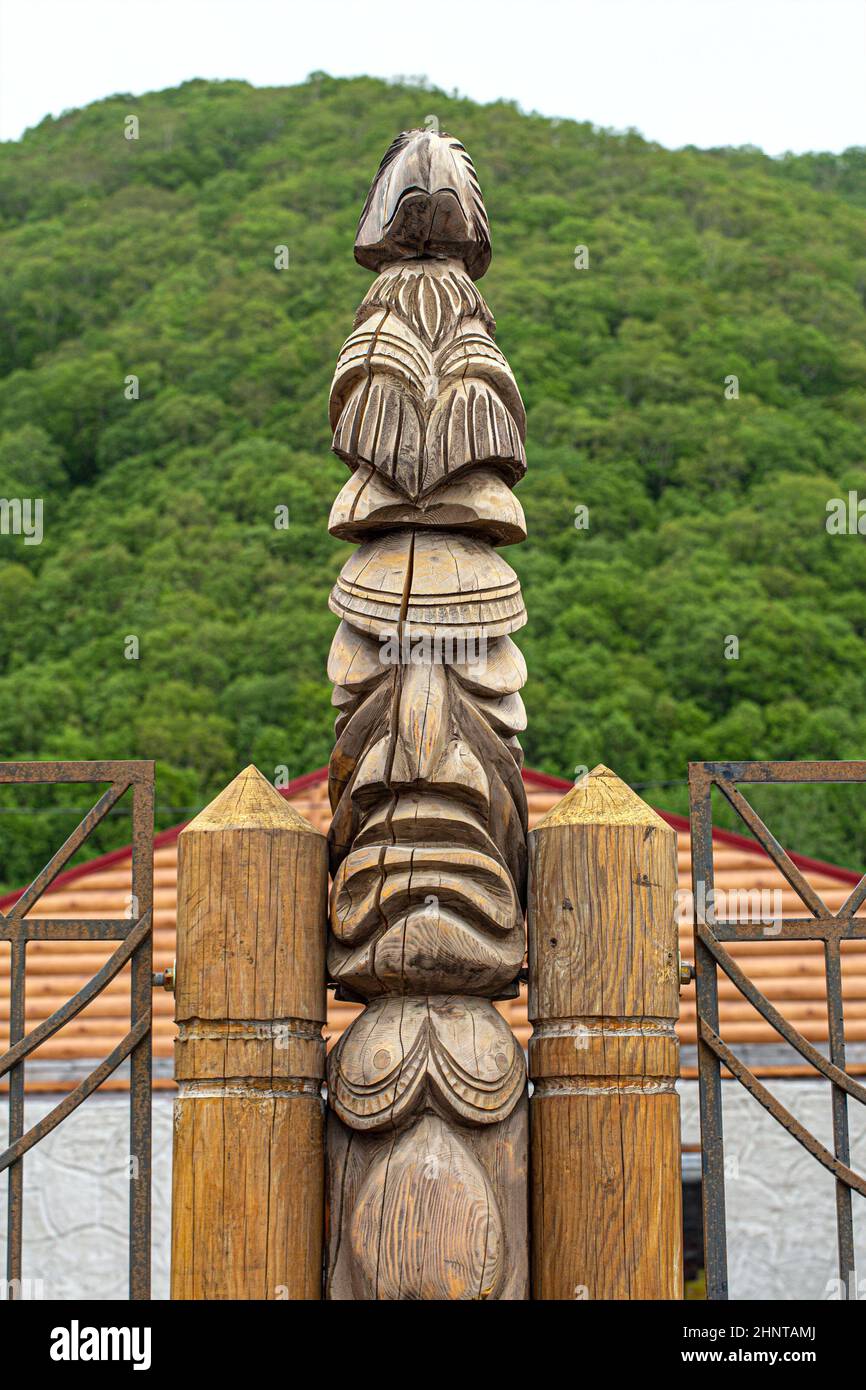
(428, 839)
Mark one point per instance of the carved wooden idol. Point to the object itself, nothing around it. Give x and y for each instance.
(427, 1141)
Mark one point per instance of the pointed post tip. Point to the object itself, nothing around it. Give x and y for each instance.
(602, 798)
(250, 802)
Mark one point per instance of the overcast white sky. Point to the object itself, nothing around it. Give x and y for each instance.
(782, 74)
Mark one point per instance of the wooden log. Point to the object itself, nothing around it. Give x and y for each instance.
(603, 1057)
(248, 1177)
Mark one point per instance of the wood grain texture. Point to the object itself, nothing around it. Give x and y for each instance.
(606, 1197)
(603, 1056)
(248, 1172)
(428, 1143)
(382, 1255)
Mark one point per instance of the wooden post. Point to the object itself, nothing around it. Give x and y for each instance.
(603, 1057)
(248, 1179)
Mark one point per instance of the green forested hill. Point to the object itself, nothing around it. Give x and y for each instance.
(155, 258)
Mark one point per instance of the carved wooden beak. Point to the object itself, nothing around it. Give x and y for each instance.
(424, 201)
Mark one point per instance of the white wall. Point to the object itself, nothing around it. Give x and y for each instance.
(781, 1212)
(76, 1199)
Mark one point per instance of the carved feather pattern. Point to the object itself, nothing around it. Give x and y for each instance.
(433, 297)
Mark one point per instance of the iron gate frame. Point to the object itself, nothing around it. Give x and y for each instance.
(829, 928)
(135, 934)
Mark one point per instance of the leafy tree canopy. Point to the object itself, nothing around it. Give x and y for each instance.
(163, 390)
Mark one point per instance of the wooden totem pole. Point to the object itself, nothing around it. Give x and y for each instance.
(427, 1135)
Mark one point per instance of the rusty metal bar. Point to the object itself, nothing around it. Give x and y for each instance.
(806, 771)
(15, 1193)
(792, 929)
(141, 1060)
(115, 770)
(66, 929)
(710, 1073)
(841, 1142)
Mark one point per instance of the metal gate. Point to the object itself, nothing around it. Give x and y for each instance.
(710, 955)
(135, 936)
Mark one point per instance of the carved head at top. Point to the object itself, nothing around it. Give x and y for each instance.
(424, 201)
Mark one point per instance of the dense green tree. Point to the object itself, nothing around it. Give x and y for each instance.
(163, 389)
